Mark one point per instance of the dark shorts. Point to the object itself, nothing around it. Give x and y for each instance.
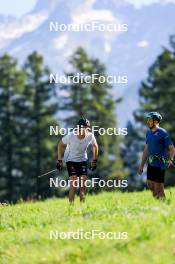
(76, 168)
(155, 174)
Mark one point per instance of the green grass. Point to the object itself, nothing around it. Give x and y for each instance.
(150, 224)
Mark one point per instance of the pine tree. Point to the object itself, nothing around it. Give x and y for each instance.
(95, 102)
(11, 87)
(131, 151)
(40, 113)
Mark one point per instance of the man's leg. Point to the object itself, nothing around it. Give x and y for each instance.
(159, 187)
(159, 184)
(150, 179)
(82, 180)
(73, 188)
(151, 187)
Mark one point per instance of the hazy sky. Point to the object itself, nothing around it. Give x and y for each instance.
(20, 7)
(16, 7)
(139, 3)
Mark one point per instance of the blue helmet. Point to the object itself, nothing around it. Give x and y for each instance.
(154, 116)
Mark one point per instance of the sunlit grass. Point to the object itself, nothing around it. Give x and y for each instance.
(150, 224)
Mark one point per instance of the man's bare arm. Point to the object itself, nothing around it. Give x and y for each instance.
(95, 151)
(60, 149)
(144, 155)
(93, 165)
(171, 150)
(144, 158)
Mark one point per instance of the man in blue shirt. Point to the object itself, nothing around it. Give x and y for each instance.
(156, 149)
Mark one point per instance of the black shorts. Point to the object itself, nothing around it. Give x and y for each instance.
(155, 174)
(76, 168)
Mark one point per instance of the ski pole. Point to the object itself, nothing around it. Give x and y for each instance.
(46, 173)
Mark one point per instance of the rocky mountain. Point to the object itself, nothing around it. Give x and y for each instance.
(124, 53)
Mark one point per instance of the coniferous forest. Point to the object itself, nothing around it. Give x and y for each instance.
(30, 104)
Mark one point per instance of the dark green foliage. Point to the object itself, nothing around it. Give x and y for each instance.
(29, 107)
(40, 111)
(95, 102)
(131, 151)
(27, 111)
(11, 100)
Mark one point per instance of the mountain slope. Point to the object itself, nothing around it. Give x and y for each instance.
(127, 53)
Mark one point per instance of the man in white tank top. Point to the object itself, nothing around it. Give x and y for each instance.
(76, 158)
